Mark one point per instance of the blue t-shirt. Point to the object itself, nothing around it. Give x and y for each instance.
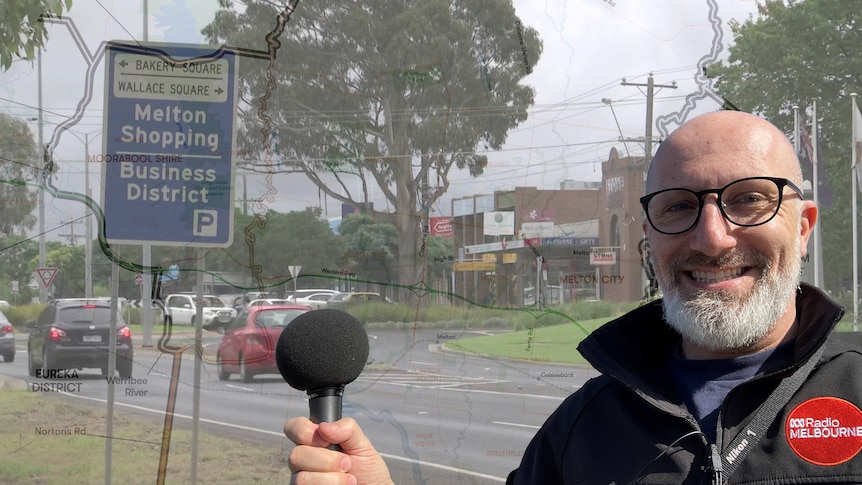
(703, 384)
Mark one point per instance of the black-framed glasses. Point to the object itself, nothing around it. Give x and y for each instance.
(745, 202)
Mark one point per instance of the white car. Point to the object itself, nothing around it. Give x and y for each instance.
(267, 302)
(314, 300)
(183, 308)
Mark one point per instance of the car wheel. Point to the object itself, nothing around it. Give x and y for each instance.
(31, 366)
(47, 364)
(245, 374)
(223, 374)
(9, 357)
(124, 366)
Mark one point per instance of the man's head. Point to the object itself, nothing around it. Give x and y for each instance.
(728, 286)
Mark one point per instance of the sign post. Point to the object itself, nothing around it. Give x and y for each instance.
(168, 159)
(294, 273)
(167, 170)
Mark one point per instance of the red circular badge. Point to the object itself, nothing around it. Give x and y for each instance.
(825, 430)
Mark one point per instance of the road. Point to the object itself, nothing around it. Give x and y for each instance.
(437, 417)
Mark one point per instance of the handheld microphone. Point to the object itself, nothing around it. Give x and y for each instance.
(320, 352)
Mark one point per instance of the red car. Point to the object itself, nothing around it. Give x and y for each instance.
(248, 345)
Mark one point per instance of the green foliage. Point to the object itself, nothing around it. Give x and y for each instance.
(393, 93)
(793, 54)
(383, 315)
(371, 246)
(22, 33)
(16, 252)
(547, 344)
(19, 315)
(577, 311)
(69, 261)
(18, 164)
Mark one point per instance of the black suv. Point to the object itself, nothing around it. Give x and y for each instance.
(75, 335)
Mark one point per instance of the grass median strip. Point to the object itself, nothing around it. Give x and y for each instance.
(557, 343)
(49, 440)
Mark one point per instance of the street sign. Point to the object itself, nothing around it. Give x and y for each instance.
(14, 286)
(46, 275)
(294, 270)
(602, 257)
(169, 144)
(139, 279)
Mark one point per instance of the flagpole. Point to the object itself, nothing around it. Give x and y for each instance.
(818, 253)
(853, 170)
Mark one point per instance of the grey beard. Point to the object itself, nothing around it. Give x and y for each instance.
(718, 320)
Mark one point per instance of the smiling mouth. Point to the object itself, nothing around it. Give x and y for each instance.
(715, 276)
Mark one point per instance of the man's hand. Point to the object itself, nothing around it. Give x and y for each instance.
(358, 463)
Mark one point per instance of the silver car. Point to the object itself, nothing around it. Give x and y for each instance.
(7, 339)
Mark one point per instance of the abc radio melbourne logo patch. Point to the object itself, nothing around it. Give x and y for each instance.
(825, 430)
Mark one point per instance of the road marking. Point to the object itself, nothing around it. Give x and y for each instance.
(239, 387)
(478, 391)
(422, 363)
(281, 435)
(516, 424)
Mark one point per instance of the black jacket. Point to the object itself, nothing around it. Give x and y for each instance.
(629, 425)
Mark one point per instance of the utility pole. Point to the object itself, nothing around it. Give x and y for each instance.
(71, 236)
(88, 230)
(650, 85)
(43, 179)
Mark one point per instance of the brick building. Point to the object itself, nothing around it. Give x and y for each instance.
(584, 236)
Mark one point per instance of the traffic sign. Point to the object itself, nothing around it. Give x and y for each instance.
(139, 279)
(169, 144)
(46, 275)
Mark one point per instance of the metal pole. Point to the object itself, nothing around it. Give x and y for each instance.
(112, 369)
(146, 20)
(43, 290)
(196, 396)
(853, 169)
(244, 195)
(649, 122)
(818, 253)
(88, 234)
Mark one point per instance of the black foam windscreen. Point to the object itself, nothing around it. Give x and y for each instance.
(322, 348)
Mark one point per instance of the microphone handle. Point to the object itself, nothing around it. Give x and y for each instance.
(324, 406)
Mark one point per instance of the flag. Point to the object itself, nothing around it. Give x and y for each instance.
(808, 161)
(857, 141)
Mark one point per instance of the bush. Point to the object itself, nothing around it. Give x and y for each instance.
(19, 315)
(386, 315)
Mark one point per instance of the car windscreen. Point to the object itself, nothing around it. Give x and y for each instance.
(276, 318)
(88, 315)
(211, 301)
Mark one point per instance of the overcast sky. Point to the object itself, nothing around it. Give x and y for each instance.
(589, 46)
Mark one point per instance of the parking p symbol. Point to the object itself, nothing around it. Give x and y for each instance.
(205, 223)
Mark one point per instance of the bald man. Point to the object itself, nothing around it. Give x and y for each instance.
(730, 378)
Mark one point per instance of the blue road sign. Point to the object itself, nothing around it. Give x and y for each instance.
(167, 166)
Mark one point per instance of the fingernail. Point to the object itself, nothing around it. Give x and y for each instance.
(345, 464)
(351, 480)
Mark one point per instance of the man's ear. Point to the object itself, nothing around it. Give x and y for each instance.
(807, 220)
